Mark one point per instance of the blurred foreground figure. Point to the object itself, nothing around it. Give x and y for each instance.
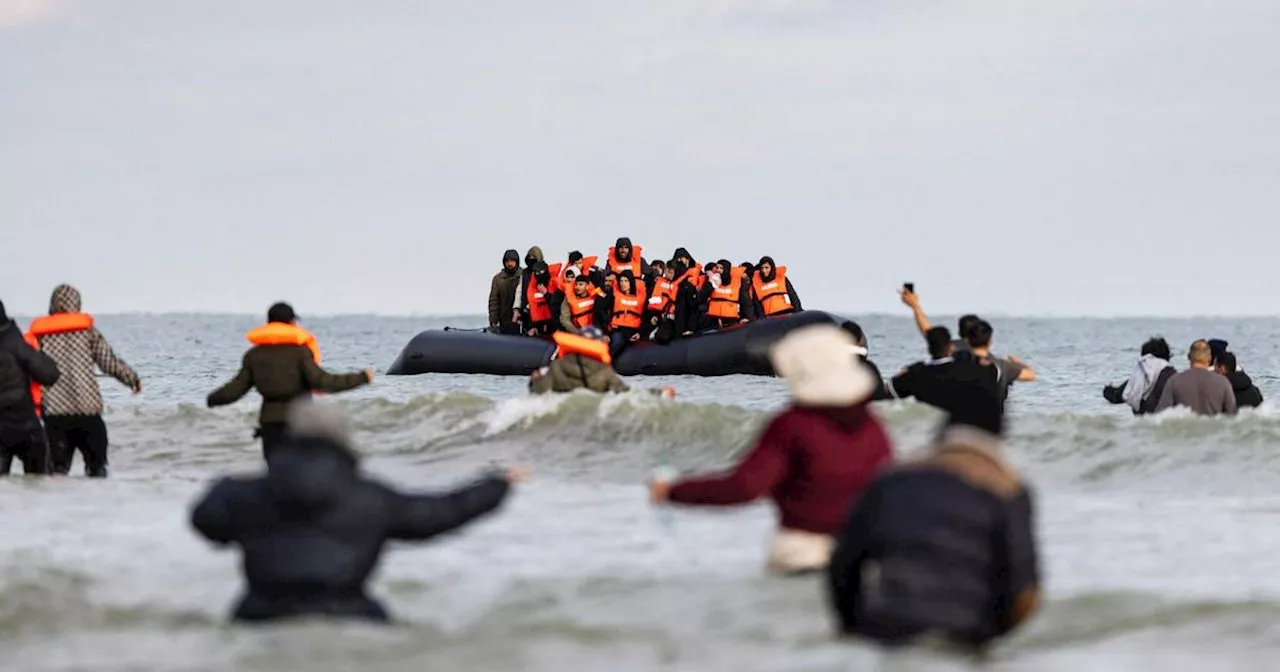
(312, 529)
(813, 459)
(941, 545)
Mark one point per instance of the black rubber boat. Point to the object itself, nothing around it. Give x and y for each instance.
(741, 349)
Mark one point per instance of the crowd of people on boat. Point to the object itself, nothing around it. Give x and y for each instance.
(631, 298)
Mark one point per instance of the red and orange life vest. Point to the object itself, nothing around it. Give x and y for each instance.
(772, 295)
(724, 303)
(663, 300)
(628, 309)
(283, 333)
(634, 265)
(556, 284)
(573, 344)
(57, 323)
(539, 302)
(582, 311)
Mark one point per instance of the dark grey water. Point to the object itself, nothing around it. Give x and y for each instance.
(1159, 534)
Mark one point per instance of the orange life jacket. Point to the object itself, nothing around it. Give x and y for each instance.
(582, 310)
(628, 310)
(539, 308)
(634, 265)
(573, 344)
(57, 323)
(582, 267)
(556, 284)
(283, 333)
(772, 295)
(663, 301)
(724, 299)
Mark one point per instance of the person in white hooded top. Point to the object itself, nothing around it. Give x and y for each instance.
(1145, 386)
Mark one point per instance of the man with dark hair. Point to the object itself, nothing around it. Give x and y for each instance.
(951, 536)
(943, 379)
(1009, 369)
(1247, 394)
(964, 325)
(21, 435)
(504, 304)
(1199, 388)
(1146, 385)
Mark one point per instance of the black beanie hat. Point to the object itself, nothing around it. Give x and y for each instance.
(512, 255)
(281, 312)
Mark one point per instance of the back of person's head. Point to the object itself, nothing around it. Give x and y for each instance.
(980, 334)
(1200, 353)
(281, 312)
(939, 342)
(1157, 347)
(1226, 360)
(815, 363)
(966, 324)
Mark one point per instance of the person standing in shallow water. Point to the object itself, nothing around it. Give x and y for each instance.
(21, 365)
(312, 529)
(813, 459)
(283, 365)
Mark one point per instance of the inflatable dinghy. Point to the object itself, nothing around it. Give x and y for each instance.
(742, 349)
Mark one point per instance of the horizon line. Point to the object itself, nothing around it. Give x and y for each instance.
(877, 314)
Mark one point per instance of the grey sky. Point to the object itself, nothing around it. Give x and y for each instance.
(1087, 157)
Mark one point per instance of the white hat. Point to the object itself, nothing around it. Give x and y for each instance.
(819, 369)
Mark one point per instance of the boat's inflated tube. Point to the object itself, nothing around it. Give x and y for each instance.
(741, 349)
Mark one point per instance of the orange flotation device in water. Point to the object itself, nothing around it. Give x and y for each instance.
(573, 344)
(282, 333)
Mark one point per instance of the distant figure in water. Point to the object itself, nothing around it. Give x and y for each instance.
(582, 362)
(943, 544)
(1145, 387)
(313, 528)
(1199, 388)
(813, 459)
(1247, 394)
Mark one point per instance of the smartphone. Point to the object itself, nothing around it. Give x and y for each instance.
(910, 287)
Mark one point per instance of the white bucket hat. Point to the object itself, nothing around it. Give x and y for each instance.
(819, 368)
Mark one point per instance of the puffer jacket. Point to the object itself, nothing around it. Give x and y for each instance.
(573, 372)
(76, 353)
(19, 365)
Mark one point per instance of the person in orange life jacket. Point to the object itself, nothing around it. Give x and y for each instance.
(578, 310)
(532, 257)
(283, 365)
(772, 291)
(627, 304)
(729, 303)
(538, 299)
(622, 256)
(72, 408)
(659, 315)
(23, 370)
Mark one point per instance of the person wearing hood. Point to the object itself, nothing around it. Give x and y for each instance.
(72, 407)
(1146, 384)
(504, 308)
(283, 365)
(813, 459)
(659, 315)
(623, 256)
(948, 537)
(1247, 394)
(726, 300)
(582, 361)
(312, 529)
(538, 302)
(23, 369)
(531, 258)
(772, 291)
(627, 303)
(687, 313)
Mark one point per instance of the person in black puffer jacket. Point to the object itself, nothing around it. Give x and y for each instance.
(313, 528)
(1247, 394)
(21, 435)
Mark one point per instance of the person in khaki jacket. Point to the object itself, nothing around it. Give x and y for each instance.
(582, 361)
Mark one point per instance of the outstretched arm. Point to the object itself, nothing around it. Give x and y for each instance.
(331, 383)
(763, 469)
(234, 389)
(418, 517)
(112, 365)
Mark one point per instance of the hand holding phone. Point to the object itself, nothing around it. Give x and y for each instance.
(909, 287)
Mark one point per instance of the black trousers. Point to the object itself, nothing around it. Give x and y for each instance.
(85, 433)
(25, 441)
(272, 435)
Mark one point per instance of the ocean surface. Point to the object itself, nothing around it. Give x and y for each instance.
(1160, 538)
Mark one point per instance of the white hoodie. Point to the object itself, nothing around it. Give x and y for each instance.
(1143, 379)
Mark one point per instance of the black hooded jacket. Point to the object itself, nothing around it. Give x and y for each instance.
(791, 290)
(645, 269)
(1247, 394)
(503, 301)
(19, 365)
(313, 528)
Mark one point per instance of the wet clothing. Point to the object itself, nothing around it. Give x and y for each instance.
(576, 371)
(1143, 390)
(313, 528)
(281, 374)
(503, 301)
(951, 537)
(84, 433)
(1204, 391)
(21, 435)
(813, 463)
(1247, 394)
(76, 352)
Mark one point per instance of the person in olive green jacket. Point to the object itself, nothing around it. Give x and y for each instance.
(574, 371)
(283, 365)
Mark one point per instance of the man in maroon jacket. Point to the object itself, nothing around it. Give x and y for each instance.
(814, 459)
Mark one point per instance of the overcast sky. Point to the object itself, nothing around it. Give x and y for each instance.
(1091, 157)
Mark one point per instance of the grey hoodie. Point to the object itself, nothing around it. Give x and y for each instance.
(76, 353)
